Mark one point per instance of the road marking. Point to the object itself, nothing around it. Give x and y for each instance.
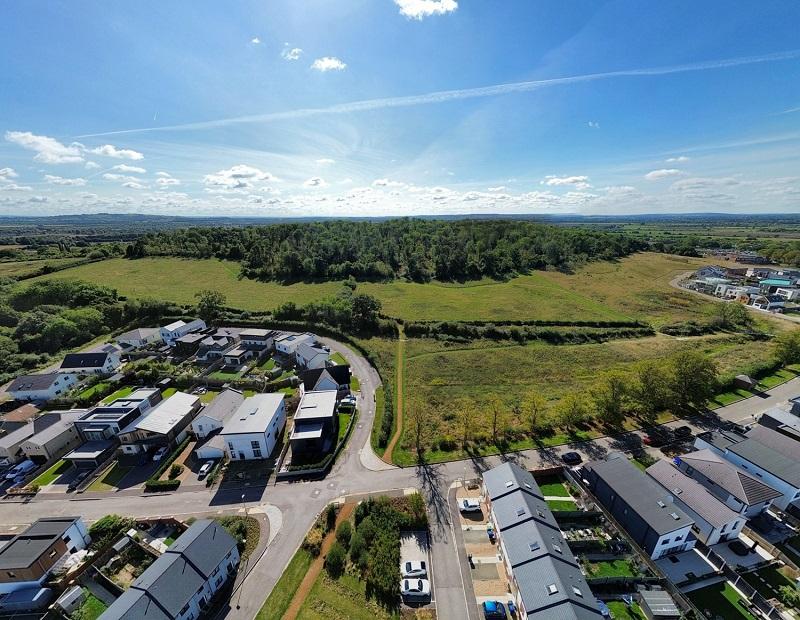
(458, 556)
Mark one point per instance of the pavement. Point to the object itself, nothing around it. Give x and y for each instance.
(292, 507)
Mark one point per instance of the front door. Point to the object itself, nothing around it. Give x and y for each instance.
(241, 455)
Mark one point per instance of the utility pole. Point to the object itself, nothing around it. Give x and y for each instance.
(247, 559)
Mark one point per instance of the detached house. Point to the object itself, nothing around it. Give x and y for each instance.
(257, 339)
(328, 378)
(214, 415)
(106, 421)
(315, 423)
(183, 581)
(170, 333)
(641, 506)
(286, 344)
(102, 363)
(54, 441)
(11, 443)
(138, 338)
(165, 425)
(312, 356)
(41, 387)
(255, 428)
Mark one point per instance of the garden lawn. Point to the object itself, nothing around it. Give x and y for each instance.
(552, 486)
(110, 480)
(338, 359)
(269, 364)
(720, 600)
(561, 505)
(344, 420)
(52, 474)
(341, 598)
(773, 580)
(120, 393)
(91, 608)
(209, 396)
(610, 568)
(222, 375)
(620, 611)
(168, 392)
(97, 388)
(278, 601)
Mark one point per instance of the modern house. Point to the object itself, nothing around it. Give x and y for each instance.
(782, 421)
(257, 339)
(28, 558)
(106, 421)
(238, 356)
(255, 428)
(41, 387)
(768, 303)
(165, 425)
(54, 441)
(737, 489)
(214, 415)
(657, 604)
(327, 378)
(546, 578)
(91, 454)
(103, 363)
(640, 506)
(214, 346)
(170, 333)
(188, 344)
(11, 443)
(286, 344)
(315, 423)
(714, 522)
(182, 582)
(770, 456)
(138, 338)
(310, 356)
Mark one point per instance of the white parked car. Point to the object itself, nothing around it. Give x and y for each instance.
(415, 588)
(160, 453)
(416, 568)
(469, 504)
(206, 467)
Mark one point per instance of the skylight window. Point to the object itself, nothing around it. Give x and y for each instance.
(533, 546)
(520, 511)
(577, 591)
(552, 589)
(662, 504)
(674, 515)
(509, 484)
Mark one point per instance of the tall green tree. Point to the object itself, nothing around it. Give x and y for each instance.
(650, 389)
(610, 397)
(210, 304)
(692, 379)
(787, 347)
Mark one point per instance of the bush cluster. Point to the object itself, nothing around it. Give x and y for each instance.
(387, 420)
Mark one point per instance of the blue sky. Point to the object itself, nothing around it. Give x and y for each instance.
(399, 107)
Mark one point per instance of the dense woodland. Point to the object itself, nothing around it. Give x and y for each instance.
(418, 250)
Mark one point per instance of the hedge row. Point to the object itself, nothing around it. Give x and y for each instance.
(387, 420)
(532, 323)
(576, 335)
(155, 486)
(153, 483)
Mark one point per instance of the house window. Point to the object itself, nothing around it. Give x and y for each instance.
(665, 541)
(256, 453)
(255, 445)
(552, 589)
(184, 609)
(679, 536)
(11, 574)
(577, 591)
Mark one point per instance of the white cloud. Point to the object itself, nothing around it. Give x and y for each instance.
(663, 173)
(326, 161)
(8, 173)
(315, 182)
(578, 182)
(699, 184)
(166, 181)
(161, 173)
(48, 150)
(55, 180)
(291, 53)
(677, 160)
(129, 169)
(134, 185)
(497, 188)
(13, 187)
(255, 40)
(112, 151)
(419, 9)
(237, 177)
(594, 124)
(328, 63)
(90, 165)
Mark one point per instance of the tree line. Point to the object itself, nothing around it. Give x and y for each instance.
(418, 250)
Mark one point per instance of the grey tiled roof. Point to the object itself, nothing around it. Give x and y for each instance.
(224, 405)
(744, 487)
(134, 605)
(773, 452)
(509, 477)
(204, 545)
(693, 494)
(171, 581)
(30, 383)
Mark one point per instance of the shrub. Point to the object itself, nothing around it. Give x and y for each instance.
(358, 550)
(334, 561)
(330, 517)
(155, 486)
(313, 541)
(175, 471)
(105, 530)
(344, 532)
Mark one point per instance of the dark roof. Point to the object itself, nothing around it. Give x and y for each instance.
(27, 547)
(339, 373)
(191, 338)
(642, 494)
(773, 452)
(171, 580)
(30, 383)
(134, 604)
(547, 574)
(744, 487)
(31, 428)
(84, 360)
(204, 545)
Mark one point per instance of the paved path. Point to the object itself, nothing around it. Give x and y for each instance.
(744, 411)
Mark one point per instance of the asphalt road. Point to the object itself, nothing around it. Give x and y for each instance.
(292, 507)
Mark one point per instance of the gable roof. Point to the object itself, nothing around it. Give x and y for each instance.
(142, 333)
(28, 546)
(174, 325)
(84, 360)
(641, 493)
(773, 452)
(36, 425)
(63, 424)
(205, 544)
(134, 604)
(339, 374)
(691, 493)
(29, 383)
(741, 485)
(310, 351)
(507, 478)
(224, 405)
(171, 581)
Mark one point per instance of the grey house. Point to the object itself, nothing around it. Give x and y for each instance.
(547, 580)
(641, 506)
(182, 582)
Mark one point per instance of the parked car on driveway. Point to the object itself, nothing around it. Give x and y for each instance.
(76, 481)
(204, 469)
(413, 569)
(571, 458)
(469, 504)
(20, 469)
(494, 610)
(683, 432)
(415, 588)
(657, 437)
(160, 453)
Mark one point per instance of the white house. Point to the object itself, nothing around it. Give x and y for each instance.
(214, 415)
(287, 343)
(41, 387)
(102, 363)
(714, 522)
(768, 303)
(770, 456)
(170, 333)
(182, 582)
(310, 356)
(165, 425)
(253, 431)
(789, 294)
(138, 338)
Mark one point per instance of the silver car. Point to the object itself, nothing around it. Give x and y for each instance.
(413, 569)
(415, 588)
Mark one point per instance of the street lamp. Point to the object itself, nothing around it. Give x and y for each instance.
(247, 559)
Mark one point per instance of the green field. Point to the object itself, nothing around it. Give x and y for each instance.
(52, 474)
(15, 269)
(110, 480)
(721, 600)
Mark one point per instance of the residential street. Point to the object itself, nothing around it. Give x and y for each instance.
(292, 507)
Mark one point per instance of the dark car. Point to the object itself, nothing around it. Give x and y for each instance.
(76, 481)
(571, 458)
(683, 432)
(657, 437)
(494, 610)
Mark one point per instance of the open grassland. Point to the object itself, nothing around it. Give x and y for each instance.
(15, 269)
(636, 287)
(341, 598)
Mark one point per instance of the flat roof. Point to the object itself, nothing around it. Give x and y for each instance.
(173, 326)
(314, 405)
(28, 546)
(90, 450)
(167, 414)
(311, 429)
(254, 415)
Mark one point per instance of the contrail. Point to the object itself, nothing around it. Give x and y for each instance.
(453, 95)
